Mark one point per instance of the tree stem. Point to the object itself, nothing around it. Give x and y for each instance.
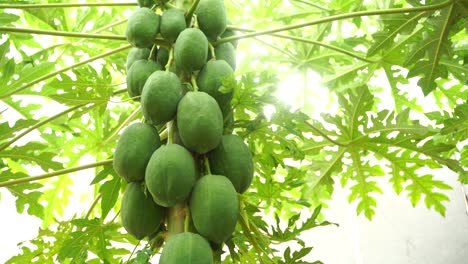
(55, 173)
(52, 74)
(59, 5)
(335, 18)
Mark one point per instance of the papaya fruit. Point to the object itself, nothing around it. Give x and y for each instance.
(160, 96)
(135, 146)
(137, 54)
(214, 207)
(142, 27)
(191, 50)
(162, 57)
(170, 175)
(186, 248)
(140, 216)
(138, 74)
(210, 79)
(211, 18)
(172, 23)
(232, 158)
(226, 52)
(145, 3)
(200, 122)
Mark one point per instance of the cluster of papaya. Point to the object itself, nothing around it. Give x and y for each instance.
(197, 171)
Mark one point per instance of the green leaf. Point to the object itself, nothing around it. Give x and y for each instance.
(110, 193)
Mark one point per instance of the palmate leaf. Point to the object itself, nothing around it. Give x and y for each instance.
(360, 136)
(424, 58)
(57, 198)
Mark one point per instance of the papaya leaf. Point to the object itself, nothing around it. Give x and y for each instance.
(110, 191)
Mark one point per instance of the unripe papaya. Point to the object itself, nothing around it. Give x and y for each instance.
(170, 175)
(186, 248)
(214, 207)
(139, 214)
(210, 79)
(232, 158)
(138, 74)
(162, 57)
(160, 96)
(200, 122)
(134, 149)
(226, 52)
(172, 23)
(211, 17)
(191, 50)
(137, 54)
(142, 27)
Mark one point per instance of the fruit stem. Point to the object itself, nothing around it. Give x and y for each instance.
(207, 165)
(212, 50)
(187, 220)
(171, 58)
(189, 14)
(153, 49)
(336, 18)
(55, 173)
(170, 132)
(194, 83)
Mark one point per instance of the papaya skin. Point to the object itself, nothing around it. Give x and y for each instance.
(199, 121)
(140, 216)
(134, 148)
(142, 27)
(215, 207)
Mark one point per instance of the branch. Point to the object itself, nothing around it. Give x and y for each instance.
(55, 173)
(335, 18)
(129, 119)
(62, 33)
(58, 5)
(52, 74)
(318, 43)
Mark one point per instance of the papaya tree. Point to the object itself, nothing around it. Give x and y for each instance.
(215, 131)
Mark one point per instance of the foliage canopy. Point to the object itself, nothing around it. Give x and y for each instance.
(391, 77)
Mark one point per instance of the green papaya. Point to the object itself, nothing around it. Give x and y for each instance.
(186, 248)
(140, 216)
(145, 3)
(172, 23)
(134, 149)
(137, 54)
(214, 207)
(200, 122)
(160, 96)
(142, 27)
(170, 175)
(191, 50)
(211, 18)
(210, 80)
(138, 74)
(162, 57)
(232, 158)
(226, 52)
